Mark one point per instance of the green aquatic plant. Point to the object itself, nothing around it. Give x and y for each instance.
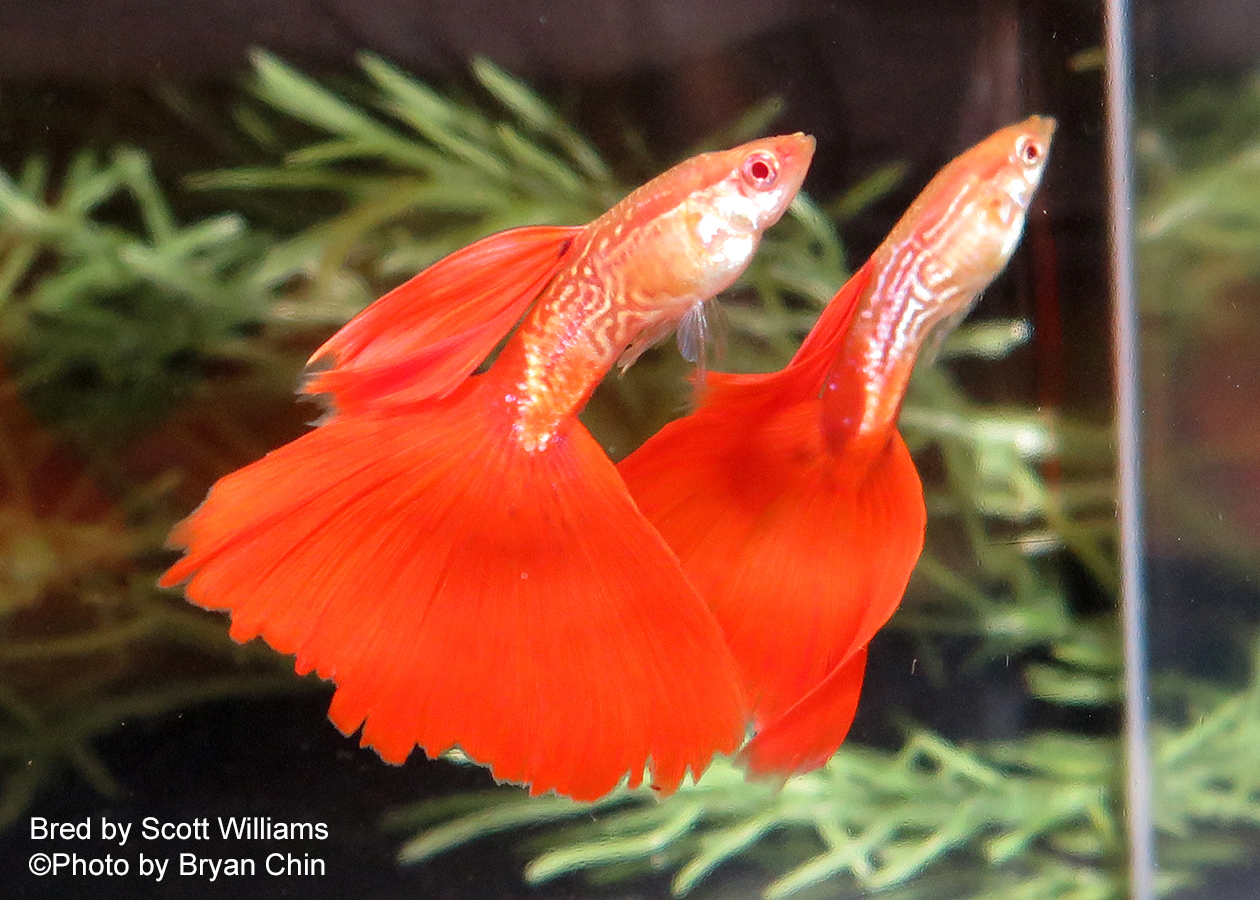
(1198, 215)
(1015, 524)
(416, 174)
(108, 305)
(79, 618)
(419, 174)
(869, 818)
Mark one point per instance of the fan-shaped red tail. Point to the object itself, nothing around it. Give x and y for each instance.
(802, 554)
(463, 591)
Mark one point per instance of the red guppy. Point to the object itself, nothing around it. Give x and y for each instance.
(454, 550)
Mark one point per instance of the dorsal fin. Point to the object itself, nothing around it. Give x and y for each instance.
(428, 334)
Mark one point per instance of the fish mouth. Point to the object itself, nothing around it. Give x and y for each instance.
(1043, 126)
(1021, 190)
(795, 152)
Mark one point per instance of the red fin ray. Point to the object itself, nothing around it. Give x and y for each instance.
(428, 334)
(463, 591)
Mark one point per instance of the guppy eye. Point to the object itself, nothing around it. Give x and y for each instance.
(760, 170)
(1028, 151)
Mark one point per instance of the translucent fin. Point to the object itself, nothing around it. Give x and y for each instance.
(702, 333)
(427, 335)
(649, 337)
(463, 591)
(702, 337)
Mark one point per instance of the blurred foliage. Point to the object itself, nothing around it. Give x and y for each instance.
(83, 628)
(124, 327)
(1199, 218)
(1198, 232)
(105, 324)
(419, 175)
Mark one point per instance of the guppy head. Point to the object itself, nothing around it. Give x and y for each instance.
(1011, 163)
(965, 224)
(758, 181)
(686, 235)
(765, 175)
(711, 210)
(1027, 158)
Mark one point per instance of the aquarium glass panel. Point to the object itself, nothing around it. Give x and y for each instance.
(1197, 241)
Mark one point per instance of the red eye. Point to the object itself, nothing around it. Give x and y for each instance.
(761, 170)
(1028, 151)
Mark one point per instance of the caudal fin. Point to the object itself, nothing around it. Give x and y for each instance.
(801, 553)
(423, 338)
(462, 591)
